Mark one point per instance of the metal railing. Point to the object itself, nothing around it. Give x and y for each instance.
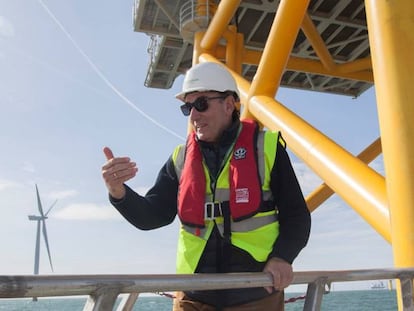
(154, 47)
(103, 290)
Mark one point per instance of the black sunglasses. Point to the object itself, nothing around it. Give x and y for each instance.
(200, 104)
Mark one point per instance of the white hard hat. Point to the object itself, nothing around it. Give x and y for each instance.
(207, 77)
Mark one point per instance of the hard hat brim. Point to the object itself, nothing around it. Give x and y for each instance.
(181, 95)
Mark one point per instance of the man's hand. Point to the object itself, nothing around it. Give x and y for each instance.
(281, 272)
(116, 171)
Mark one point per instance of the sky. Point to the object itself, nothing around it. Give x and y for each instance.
(71, 82)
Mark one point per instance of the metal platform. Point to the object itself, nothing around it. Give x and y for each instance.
(341, 24)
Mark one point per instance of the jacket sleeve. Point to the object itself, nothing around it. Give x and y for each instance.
(294, 217)
(159, 205)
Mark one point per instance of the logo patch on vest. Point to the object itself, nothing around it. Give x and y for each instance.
(242, 195)
(240, 153)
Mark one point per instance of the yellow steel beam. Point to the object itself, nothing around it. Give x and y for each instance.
(318, 196)
(323, 192)
(341, 71)
(197, 50)
(361, 64)
(218, 26)
(359, 69)
(239, 51)
(391, 35)
(317, 43)
(232, 58)
(279, 44)
(358, 184)
(356, 70)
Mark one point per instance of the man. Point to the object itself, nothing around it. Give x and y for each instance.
(234, 190)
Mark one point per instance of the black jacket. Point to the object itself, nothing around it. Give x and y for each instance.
(159, 208)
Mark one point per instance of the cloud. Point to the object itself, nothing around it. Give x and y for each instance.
(28, 167)
(307, 179)
(87, 211)
(6, 28)
(62, 194)
(7, 184)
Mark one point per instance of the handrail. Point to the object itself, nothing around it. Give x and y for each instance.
(103, 290)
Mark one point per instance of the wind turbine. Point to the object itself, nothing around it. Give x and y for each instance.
(41, 222)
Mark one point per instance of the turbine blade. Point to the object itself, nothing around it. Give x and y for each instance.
(39, 203)
(50, 208)
(46, 242)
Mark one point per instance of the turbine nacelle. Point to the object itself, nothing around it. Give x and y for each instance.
(34, 217)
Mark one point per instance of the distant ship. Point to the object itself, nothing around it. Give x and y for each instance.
(378, 285)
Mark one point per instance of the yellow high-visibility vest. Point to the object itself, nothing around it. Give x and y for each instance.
(256, 235)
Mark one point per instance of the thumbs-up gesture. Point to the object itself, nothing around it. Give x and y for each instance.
(116, 171)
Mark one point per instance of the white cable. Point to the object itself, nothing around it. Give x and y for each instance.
(102, 76)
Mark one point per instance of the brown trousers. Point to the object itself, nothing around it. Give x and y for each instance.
(274, 302)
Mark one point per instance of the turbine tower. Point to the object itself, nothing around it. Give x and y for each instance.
(41, 222)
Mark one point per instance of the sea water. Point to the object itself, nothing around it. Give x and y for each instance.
(363, 300)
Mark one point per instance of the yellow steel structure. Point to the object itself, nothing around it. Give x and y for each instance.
(386, 203)
(391, 26)
(360, 186)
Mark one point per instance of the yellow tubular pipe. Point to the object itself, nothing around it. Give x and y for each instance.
(239, 52)
(391, 35)
(231, 46)
(252, 57)
(359, 69)
(225, 12)
(323, 192)
(317, 43)
(197, 50)
(356, 65)
(318, 196)
(315, 67)
(281, 39)
(359, 185)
